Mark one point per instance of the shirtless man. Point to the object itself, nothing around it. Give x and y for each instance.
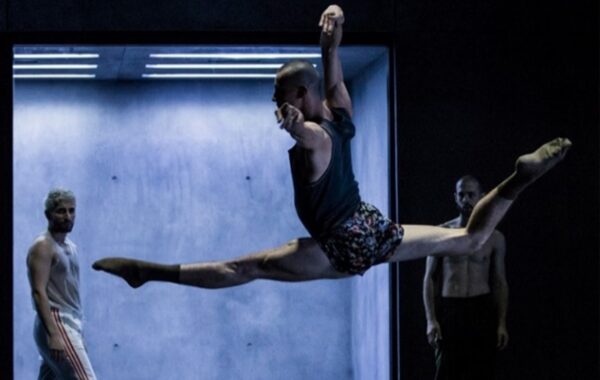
(348, 236)
(53, 269)
(470, 324)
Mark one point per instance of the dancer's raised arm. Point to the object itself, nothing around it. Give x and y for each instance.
(336, 94)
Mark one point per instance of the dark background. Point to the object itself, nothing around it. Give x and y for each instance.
(477, 82)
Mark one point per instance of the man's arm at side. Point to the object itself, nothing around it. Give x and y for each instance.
(429, 294)
(500, 288)
(39, 263)
(336, 93)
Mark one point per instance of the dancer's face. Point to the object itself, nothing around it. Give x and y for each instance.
(467, 194)
(285, 94)
(62, 218)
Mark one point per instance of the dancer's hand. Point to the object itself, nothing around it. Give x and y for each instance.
(330, 24)
(502, 334)
(434, 333)
(331, 17)
(293, 119)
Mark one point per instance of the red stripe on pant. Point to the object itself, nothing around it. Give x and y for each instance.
(70, 350)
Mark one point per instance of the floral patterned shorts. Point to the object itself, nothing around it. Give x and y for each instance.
(363, 240)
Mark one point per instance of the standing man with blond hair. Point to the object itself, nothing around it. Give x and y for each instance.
(53, 270)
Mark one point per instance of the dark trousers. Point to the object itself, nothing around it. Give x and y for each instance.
(468, 347)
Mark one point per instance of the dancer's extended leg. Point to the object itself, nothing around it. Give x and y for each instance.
(421, 241)
(303, 259)
(297, 260)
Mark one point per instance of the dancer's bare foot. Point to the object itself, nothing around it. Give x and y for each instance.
(128, 269)
(530, 167)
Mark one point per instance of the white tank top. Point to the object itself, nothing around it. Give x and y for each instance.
(63, 284)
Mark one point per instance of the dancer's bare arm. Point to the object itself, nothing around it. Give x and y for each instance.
(499, 287)
(308, 135)
(336, 93)
(39, 264)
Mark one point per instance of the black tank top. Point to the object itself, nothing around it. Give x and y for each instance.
(323, 204)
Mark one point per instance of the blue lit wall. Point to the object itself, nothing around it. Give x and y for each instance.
(180, 172)
(370, 293)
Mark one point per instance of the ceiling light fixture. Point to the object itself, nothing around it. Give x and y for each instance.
(236, 55)
(56, 56)
(208, 76)
(54, 66)
(54, 76)
(217, 66)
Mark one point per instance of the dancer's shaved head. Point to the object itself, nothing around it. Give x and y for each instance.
(297, 73)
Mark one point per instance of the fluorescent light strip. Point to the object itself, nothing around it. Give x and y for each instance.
(54, 76)
(54, 67)
(218, 66)
(208, 76)
(237, 55)
(56, 56)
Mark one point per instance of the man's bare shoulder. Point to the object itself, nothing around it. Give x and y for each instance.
(313, 125)
(42, 247)
(498, 242)
(498, 237)
(318, 139)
